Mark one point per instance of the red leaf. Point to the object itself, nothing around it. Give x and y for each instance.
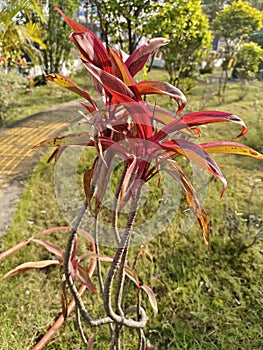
(15, 248)
(157, 87)
(51, 247)
(120, 69)
(199, 118)
(77, 27)
(177, 173)
(127, 177)
(139, 57)
(110, 83)
(197, 154)
(92, 50)
(84, 277)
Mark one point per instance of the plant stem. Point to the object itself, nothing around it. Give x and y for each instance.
(119, 257)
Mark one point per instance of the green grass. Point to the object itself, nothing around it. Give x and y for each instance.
(40, 98)
(206, 301)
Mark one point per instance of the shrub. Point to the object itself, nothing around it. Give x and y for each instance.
(12, 84)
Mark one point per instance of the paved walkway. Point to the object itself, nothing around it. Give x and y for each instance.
(17, 156)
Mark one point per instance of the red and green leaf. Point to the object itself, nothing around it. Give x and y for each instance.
(29, 266)
(68, 84)
(139, 57)
(177, 173)
(148, 87)
(84, 277)
(199, 118)
(50, 247)
(79, 139)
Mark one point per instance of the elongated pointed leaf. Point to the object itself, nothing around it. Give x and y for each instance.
(177, 173)
(68, 84)
(90, 343)
(152, 298)
(64, 299)
(198, 155)
(132, 276)
(120, 69)
(127, 177)
(110, 83)
(29, 266)
(92, 50)
(76, 27)
(51, 247)
(231, 148)
(86, 184)
(139, 57)
(199, 118)
(82, 138)
(92, 255)
(84, 277)
(148, 87)
(15, 248)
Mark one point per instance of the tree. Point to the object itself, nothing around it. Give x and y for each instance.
(248, 59)
(234, 24)
(58, 46)
(18, 34)
(257, 38)
(122, 22)
(187, 27)
(211, 7)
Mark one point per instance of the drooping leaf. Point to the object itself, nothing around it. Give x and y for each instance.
(139, 57)
(84, 277)
(231, 148)
(132, 276)
(148, 87)
(177, 173)
(51, 247)
(15, 248)
(197, 154)
(199, 118)
(152, 298)
(68, 84)
(82, 138)
(29, 266)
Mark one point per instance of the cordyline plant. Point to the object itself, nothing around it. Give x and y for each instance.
(149, 140)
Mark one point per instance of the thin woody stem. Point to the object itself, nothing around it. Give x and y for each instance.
(70, 282)
(121, 256)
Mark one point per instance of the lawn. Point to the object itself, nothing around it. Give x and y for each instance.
(206, 301)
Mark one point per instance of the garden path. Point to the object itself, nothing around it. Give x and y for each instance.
(18, 157)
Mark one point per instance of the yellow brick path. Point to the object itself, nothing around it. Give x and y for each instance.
(16, 143)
